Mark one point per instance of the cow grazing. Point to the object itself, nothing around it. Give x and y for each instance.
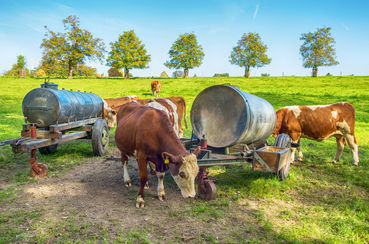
(112, 105)
(319, 123)
(155, 88)
(147, 134)
(175, 109)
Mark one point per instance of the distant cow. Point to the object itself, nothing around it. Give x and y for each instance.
(112, 105)
(174, 107)
(146, 133)
(155, 88)
(318, 123)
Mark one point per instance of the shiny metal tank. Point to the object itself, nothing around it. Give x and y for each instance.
(47, 105)
(226, 116)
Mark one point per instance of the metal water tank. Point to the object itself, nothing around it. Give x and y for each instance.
(226, 116)
(47, 105)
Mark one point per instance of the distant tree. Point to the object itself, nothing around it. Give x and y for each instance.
(177, 73)
(185, 53)
(73, 47)
(249, 52)
(164, 74)
(317, 49)
(18, 69)
(21, 62)
(128, 53)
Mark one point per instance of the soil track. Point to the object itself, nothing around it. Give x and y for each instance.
(93, 195)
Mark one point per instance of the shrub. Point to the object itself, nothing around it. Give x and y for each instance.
(221, 75)
(40, 73)
(265, 75)
(113, 72)
(164, 74)
(178, 73)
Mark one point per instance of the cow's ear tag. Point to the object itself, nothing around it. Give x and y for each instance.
(166, 161)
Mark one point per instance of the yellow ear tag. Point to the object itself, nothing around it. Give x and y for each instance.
(166, 161)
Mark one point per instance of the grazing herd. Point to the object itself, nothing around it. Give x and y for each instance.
(150, 130)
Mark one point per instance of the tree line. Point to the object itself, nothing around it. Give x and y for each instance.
(68, 51)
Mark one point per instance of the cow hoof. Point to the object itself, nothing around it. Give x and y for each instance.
(161, 197)
(147, 186)
(128, 183)
(355, 163)
(140, 202)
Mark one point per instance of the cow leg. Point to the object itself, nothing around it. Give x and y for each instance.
(351, 141)
(126, 178)
(161, 192)
(142, 165)
(340, 140)
(300, 152)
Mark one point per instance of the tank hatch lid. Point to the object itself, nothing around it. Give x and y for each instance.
(49, 85)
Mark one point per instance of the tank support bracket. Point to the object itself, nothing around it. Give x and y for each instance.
(37, 169)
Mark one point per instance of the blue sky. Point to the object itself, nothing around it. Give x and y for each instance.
(218, 25)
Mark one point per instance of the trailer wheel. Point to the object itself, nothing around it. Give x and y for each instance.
(48, 149)
(283, 140)
(283, 172)
(100, 137)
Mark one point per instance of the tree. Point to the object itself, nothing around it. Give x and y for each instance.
(73, 47)
(128, 53)
(18, 69)
(21, 62)
(249, 52)
(317, 49)
(185, 53)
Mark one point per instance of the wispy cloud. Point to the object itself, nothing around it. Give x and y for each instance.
(256, 11)
(65, 8)
(345, 27)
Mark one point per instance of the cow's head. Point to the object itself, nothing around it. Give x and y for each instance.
(111, 116)
(280, 116)
(184, 171)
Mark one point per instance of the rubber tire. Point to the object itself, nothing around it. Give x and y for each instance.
(49, 149)
(283, 172)
(100, 132)
(283, 140)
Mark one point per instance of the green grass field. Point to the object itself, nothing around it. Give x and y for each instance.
(319, 202)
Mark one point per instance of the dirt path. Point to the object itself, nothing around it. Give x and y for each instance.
(90, 202)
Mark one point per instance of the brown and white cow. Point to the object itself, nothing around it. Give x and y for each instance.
(155, 88)
(175, 109)
(112, 105)
(318, 123)
(147, 134)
